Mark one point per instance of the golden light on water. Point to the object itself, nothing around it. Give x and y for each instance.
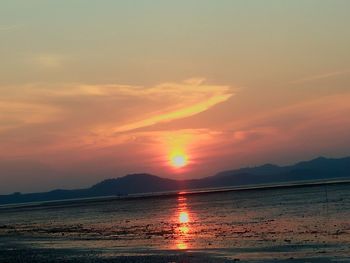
(181, 246)
(184, 218)
(184, 229)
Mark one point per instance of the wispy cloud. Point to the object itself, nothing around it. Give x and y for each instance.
(321, 76)
(16, 113)
(145, 106)
(5, 28)
(79, 115)
(47, 60)
(193, 97)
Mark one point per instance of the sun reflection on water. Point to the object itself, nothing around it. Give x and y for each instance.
(183, 222)
(181, 246)
(183, 217)
(184, 229)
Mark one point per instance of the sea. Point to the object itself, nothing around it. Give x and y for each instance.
(253, 224)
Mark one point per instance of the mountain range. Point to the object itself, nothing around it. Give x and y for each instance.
(317, 169)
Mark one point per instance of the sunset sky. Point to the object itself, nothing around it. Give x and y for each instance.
(91, 90)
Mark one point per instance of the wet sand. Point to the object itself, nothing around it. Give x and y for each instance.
(20, 253)
(307, 224)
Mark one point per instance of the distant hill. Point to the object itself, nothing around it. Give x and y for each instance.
(316, 169)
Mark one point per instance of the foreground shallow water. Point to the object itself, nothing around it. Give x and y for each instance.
(309, 224)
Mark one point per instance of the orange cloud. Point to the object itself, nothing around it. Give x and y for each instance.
(184, 112)
(18, 113)
(71, 116)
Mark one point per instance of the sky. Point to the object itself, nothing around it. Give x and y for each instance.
(91, 90)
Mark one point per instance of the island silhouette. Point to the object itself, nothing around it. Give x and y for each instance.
(319, 170)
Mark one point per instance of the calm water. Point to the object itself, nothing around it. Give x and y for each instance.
(305, 220)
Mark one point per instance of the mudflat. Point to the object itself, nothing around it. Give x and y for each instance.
(303, 224)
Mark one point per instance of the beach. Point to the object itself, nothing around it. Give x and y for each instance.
(297, 224)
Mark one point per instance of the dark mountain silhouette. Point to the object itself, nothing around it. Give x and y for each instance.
(317, 169)
(135, 183)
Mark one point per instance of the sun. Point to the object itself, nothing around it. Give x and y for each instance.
(179, 160)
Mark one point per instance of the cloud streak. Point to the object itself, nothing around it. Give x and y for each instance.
(201, 98)
(77, 115)
(48, 60)
(6, 28)
(321, 76)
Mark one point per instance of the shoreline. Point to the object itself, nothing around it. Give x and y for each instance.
(199, 191)
(19, 253)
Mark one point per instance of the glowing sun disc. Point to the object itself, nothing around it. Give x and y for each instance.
(179, 161)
